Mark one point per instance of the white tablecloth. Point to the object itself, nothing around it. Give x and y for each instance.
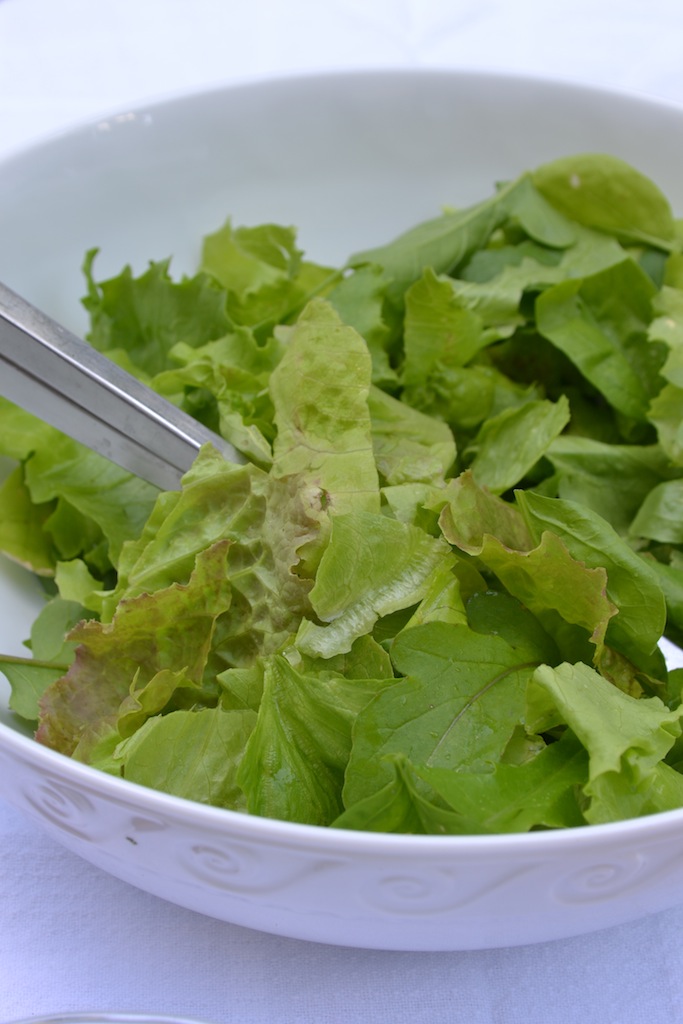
(73, 938)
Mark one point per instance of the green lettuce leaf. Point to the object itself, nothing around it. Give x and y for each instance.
(293, 766)
(266, 280)
(194, 754)
(600, 323)
(458, 706)
(324, 435)
(145, 316)
(21, 432)
(660, 517)
(511, 798)
(224, 383)
(626, 739)
(611, 479)
(510, 444)
(97, 489)
(359, 300)
(29, 678)
(665, 414)
(372, 566)
(409, 447)
(631, 586)
(23, 536)
(541, 792)
(603, 192)
(442, 243)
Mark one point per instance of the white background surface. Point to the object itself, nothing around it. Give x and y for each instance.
(75, 939)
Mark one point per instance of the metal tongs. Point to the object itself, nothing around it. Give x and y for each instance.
(64, 381)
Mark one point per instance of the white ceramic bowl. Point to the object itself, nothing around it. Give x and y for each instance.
(352, 160)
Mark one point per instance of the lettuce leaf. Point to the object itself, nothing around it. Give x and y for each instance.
(457, 706)
(626, 739)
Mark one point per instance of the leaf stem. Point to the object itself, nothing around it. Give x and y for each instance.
(480, 693)
(11, 659)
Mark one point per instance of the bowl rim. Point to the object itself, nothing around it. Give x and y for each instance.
(62, 769)
(371, 73)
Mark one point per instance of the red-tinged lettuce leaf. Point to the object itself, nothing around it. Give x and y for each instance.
(169, 630)
(265, 521)
(218, 500)
(293, 766)
(269, 597)
(632, 586)
(626, 738)
(191, 754)
(468, 511)
(372, 566)
(554, 586)
(146, 316)
(461, 700)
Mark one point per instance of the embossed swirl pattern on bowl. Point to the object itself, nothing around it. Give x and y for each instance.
(210, 866)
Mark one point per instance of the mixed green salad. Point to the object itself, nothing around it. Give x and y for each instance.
(431, 599)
